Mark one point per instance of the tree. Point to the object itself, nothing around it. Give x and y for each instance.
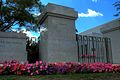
(117, 6)
(32, 49)
(20, 13)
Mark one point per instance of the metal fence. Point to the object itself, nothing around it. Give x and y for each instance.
(94, 49)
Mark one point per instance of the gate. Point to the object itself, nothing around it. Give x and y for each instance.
(94, 49)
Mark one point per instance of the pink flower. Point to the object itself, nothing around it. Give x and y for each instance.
(41, 67)
(22, 67)
(40, 62)
(37, 63)
(28, 67)
(31, 74)
(1, 70)
(37, 72)
(31, 64)
(18, 73)
(46, 66)
(28, 71)
(1, 65)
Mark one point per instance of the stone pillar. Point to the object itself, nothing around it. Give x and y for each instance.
(58, 43)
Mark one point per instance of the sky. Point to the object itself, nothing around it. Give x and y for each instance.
(91, 13)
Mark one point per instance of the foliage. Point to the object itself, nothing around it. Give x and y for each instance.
(20, 13)
(42, 68)
(32, 48)
(117, 6)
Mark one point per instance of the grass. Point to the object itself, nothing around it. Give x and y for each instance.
(85, 76)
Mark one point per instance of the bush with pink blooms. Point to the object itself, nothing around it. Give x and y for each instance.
(41, 68)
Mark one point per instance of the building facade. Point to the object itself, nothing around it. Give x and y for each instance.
(112, 31)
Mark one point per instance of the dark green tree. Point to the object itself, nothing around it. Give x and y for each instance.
(20, 13)
(32, 49)
(117, 6)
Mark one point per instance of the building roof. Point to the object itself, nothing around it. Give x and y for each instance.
(112, 25)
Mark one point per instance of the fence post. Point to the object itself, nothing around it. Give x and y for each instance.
(77, 39)
(108, 50)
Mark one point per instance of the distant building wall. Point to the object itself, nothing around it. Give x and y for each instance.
(93, 32)
(112, 31)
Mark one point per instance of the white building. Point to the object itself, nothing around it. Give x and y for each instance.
(112, 31)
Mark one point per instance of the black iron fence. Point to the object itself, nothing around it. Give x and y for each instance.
(94, 49)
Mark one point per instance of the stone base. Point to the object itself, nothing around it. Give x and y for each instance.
(60, 51)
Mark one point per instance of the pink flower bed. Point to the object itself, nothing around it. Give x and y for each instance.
(41, 68)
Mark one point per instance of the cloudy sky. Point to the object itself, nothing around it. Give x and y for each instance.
(91, 12)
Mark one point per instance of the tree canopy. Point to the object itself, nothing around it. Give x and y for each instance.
(117, 6)
(20, 13)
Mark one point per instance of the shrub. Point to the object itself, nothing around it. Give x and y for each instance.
(41, 68)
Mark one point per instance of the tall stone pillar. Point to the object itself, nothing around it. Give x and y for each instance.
(58, 42)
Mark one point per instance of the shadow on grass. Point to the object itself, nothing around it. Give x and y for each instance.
(84, 76)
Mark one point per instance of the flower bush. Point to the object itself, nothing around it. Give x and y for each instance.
(41, 68)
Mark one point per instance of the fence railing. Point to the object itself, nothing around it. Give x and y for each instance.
(94, 49)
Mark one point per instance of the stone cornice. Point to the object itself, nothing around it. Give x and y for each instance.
(58, 11)
(110, 30)
(12, 35)
(44, 15)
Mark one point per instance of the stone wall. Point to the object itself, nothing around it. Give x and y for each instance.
(12, 46)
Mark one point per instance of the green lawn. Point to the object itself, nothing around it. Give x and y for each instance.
(90, 76)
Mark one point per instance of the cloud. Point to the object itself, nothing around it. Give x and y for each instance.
(28, 33)
(42, 29)
(37, 14)
(94, 0)
(90, 13)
